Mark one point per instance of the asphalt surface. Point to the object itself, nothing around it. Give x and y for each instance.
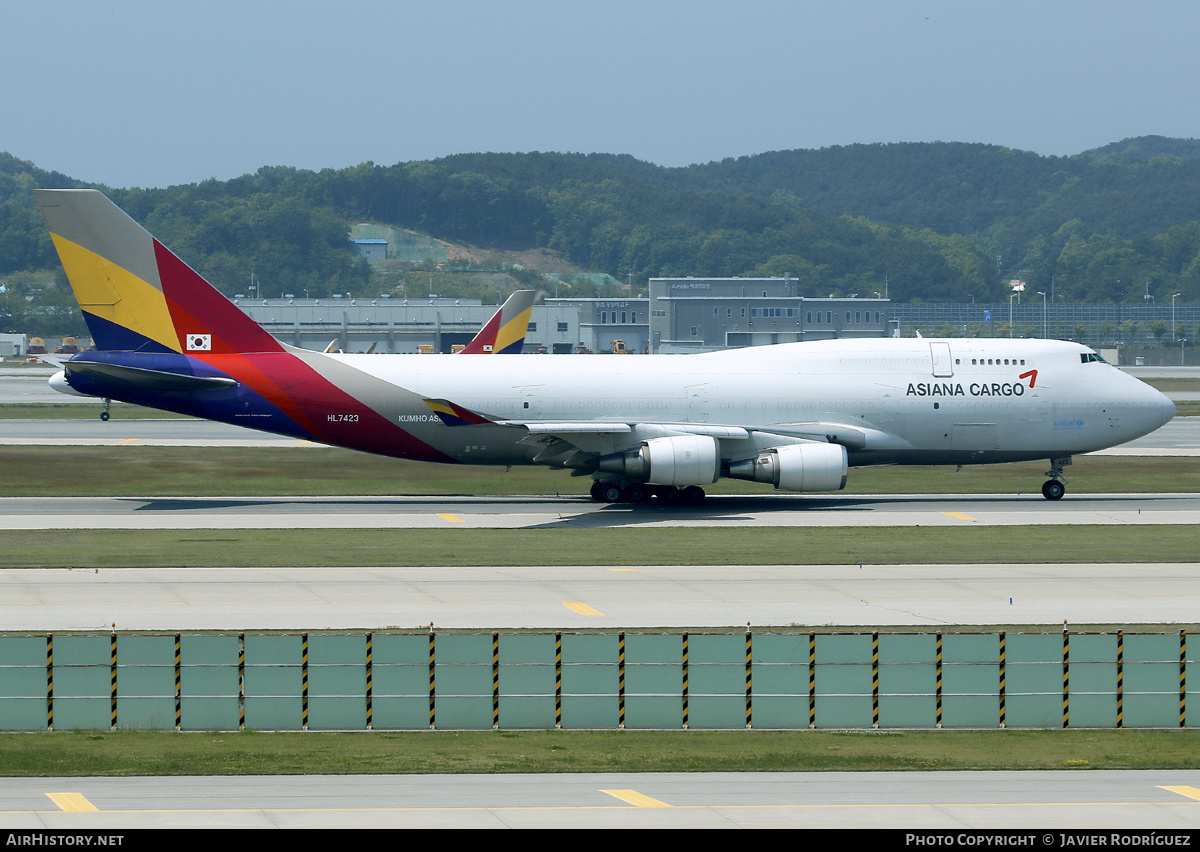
(1035, 806)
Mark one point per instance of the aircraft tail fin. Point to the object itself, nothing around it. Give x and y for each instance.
(136, 295)
(505, 332)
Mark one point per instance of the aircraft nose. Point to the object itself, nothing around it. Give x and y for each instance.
(1168, 409)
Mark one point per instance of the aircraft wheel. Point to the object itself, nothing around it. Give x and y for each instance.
(693, 495)
(612, 493)
(637, 493)
(104, 416)
(597, 491)
(668, 495)
(1052, 489)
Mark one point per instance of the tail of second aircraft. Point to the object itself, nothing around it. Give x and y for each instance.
(505, 331)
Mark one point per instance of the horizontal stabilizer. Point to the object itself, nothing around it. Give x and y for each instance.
(138, 377)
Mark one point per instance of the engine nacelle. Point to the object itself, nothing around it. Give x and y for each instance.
(796, 467)
(681, 460)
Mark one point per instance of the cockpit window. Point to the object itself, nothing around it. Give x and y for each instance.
(1088, 357)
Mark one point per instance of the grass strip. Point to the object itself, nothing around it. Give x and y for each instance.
(424, 752)
(91, 549)
(139, 471)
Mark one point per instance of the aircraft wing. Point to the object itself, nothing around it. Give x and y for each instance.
(855, 436)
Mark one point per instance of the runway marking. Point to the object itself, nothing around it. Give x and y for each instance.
(129, 441)
(74, 803)
(627, 570)
(580, 607)
(454, 519)
(960, 516)
(636, 799)
(1190, 792)
(631, 797)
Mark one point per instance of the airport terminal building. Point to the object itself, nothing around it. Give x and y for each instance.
(701, 314)
(680, 315)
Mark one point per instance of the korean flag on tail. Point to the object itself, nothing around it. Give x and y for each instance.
(199, 343)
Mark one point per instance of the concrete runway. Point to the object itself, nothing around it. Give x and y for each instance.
(1025, 804)
(630, 597)
(549, 512)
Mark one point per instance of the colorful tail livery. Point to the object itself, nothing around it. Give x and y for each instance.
(505, 332)
(795, 415)
(168, 339)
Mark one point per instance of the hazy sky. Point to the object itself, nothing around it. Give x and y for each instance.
(160, 93)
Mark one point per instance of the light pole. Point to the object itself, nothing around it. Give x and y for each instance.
(1173, 297)
(1010, 318)
(1043, 295)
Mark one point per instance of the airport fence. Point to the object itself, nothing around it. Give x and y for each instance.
(776, 680)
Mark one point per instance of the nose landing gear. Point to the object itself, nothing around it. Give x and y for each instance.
(1055, 487)
(104, 415)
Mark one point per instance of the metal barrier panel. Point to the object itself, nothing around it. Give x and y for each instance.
(23, 683)
(590, 681)
(337, 682)
(400, 687)
(463, 691)
(717, 681)
(146, 682)
(1093, 681)
(907, 681)
(780, 663)
(843, 678)
(273, 683)
(970, 680)
(82, 682)
(653, 680)
(526, 681)
(1034, 695)
(1151, 681)
(1191, 673)
(208, 676)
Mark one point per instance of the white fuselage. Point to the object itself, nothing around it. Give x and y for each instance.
(908, 400)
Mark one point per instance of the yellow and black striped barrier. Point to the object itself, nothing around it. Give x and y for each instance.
(688, 680)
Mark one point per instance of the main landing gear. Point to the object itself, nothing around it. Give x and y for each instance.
(640, 492)
(1055, 487)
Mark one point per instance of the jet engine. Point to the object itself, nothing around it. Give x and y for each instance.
(796, 467)
(681, 460)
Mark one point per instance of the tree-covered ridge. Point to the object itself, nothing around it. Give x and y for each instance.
(935, 221)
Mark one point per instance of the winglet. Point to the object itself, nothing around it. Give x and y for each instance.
(505, 332)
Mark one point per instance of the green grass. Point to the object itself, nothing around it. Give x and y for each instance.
(1180, 383)
(257, 753)
(89, 549)
(133, 470)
